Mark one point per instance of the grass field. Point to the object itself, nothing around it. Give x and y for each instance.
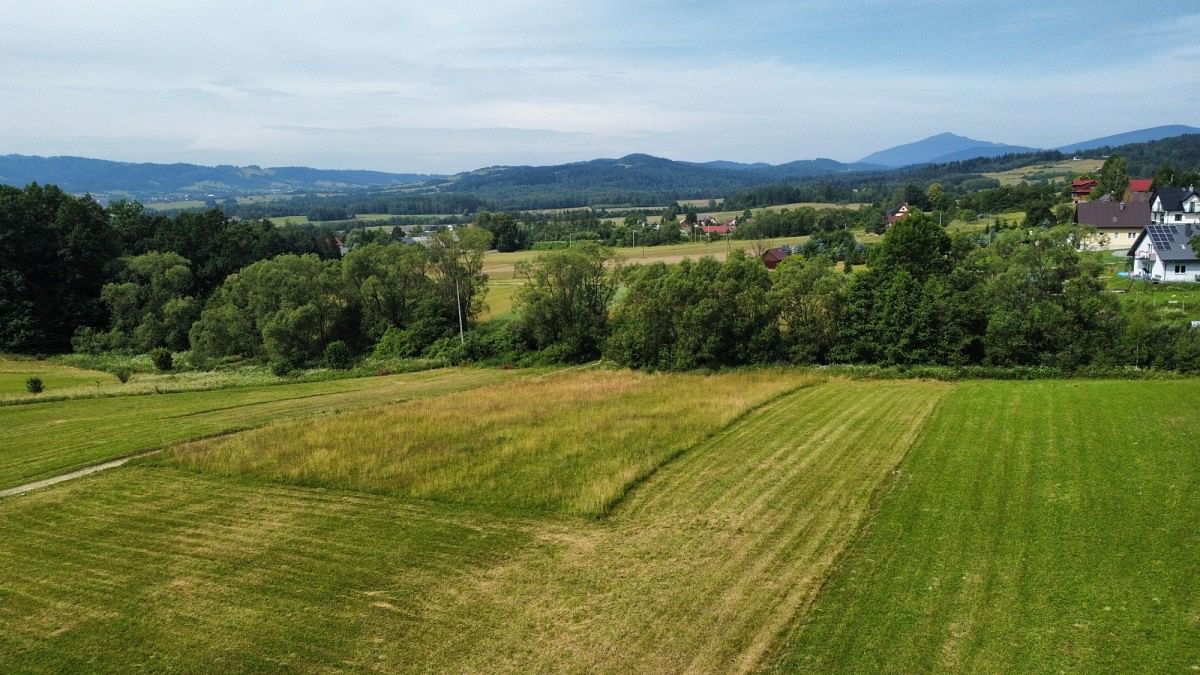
(1037, 527)
(607, 521)
(14, 371)
(1058, 172)
(499, 266)
(574, 444)
(45, 439)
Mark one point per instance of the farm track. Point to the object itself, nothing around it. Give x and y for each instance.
(706, 564)
(42, 440)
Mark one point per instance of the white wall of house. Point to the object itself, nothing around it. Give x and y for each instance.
(1189, 214)
(1147, 265)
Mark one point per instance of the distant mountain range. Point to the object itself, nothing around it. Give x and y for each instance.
(633, 173)
(947, 147)
(103, 177)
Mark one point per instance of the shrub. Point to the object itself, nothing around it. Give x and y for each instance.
(161, 357)
(35, 385)
(122, 374)
(280, 368)
(337, 356)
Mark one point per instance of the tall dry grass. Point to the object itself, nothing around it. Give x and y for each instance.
(572, 442)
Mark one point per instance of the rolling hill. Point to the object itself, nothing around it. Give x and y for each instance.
(98, 176)
(1139, 136)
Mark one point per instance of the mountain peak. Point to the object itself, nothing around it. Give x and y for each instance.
(943, 147)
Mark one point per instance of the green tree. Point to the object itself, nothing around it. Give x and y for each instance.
(806, 295)
(457, 270)
(507, 234)
(149, 304)
(702, 314)
(1114, 177)
(1164, 176)
(390, 289)
(286, 308)
(564, 303)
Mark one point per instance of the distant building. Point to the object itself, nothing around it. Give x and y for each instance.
(1082, 188)
(1162, 252)
(774, 256)
(1139, 190)
(1117, 223)
(897, 214)
(1175, 205)
(718, 229)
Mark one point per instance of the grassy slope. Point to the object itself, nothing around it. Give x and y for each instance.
(1038, 527)
(44, 439)
(700, 568)
(572, 442)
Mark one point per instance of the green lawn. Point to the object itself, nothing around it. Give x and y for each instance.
(14, 371)
(45, 439)
(1044, 526)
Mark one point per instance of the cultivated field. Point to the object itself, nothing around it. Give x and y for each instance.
(1055, 172)
(499, 266)
(608, 521)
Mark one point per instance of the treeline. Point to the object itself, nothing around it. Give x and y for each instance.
(59, 252)
(1023, 298)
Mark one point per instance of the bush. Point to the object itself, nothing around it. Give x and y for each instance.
(34, 385)
(337, 356)
(122, 374)
(161, 357)
(280, 368)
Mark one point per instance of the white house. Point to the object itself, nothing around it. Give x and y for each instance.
(1171, 205)
(1162, 253)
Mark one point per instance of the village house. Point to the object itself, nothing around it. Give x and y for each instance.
(1081, 189)
(896, 214)
(1175, 205)
(1162, 252)
(1139, 190)
(1117, 223)
(773, 256)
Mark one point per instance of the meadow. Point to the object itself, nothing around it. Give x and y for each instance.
(45, 439)
(602, 520)
(1055, 172)
(500, 266)
(15, 371)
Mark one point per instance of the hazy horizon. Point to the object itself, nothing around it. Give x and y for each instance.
(426, 89)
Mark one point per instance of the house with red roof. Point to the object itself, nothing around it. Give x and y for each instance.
(1139, 189)
(896, 214)
(1082, 188)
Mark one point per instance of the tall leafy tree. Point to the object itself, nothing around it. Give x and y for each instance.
(1114, 177)
(564, 303)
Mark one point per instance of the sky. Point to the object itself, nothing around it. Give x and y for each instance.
(443, 87)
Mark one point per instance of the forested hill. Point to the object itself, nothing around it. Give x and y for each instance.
(145, 180)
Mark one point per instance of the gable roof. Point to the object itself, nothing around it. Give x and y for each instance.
(1109, 214)
(717, 229)
(1170, 241)
(1172, 197)
(1140, 184)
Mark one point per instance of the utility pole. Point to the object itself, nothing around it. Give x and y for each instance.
(462, 338)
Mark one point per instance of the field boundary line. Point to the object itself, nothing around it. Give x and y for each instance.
(778, 652)
(707, 438)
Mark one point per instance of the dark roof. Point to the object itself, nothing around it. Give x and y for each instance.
(1109, 214)
(1170, 241)
(1172, 197)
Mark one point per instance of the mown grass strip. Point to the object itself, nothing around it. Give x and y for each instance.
(1037, 527)
(153, 569)
(45, 439)
(703, 566)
